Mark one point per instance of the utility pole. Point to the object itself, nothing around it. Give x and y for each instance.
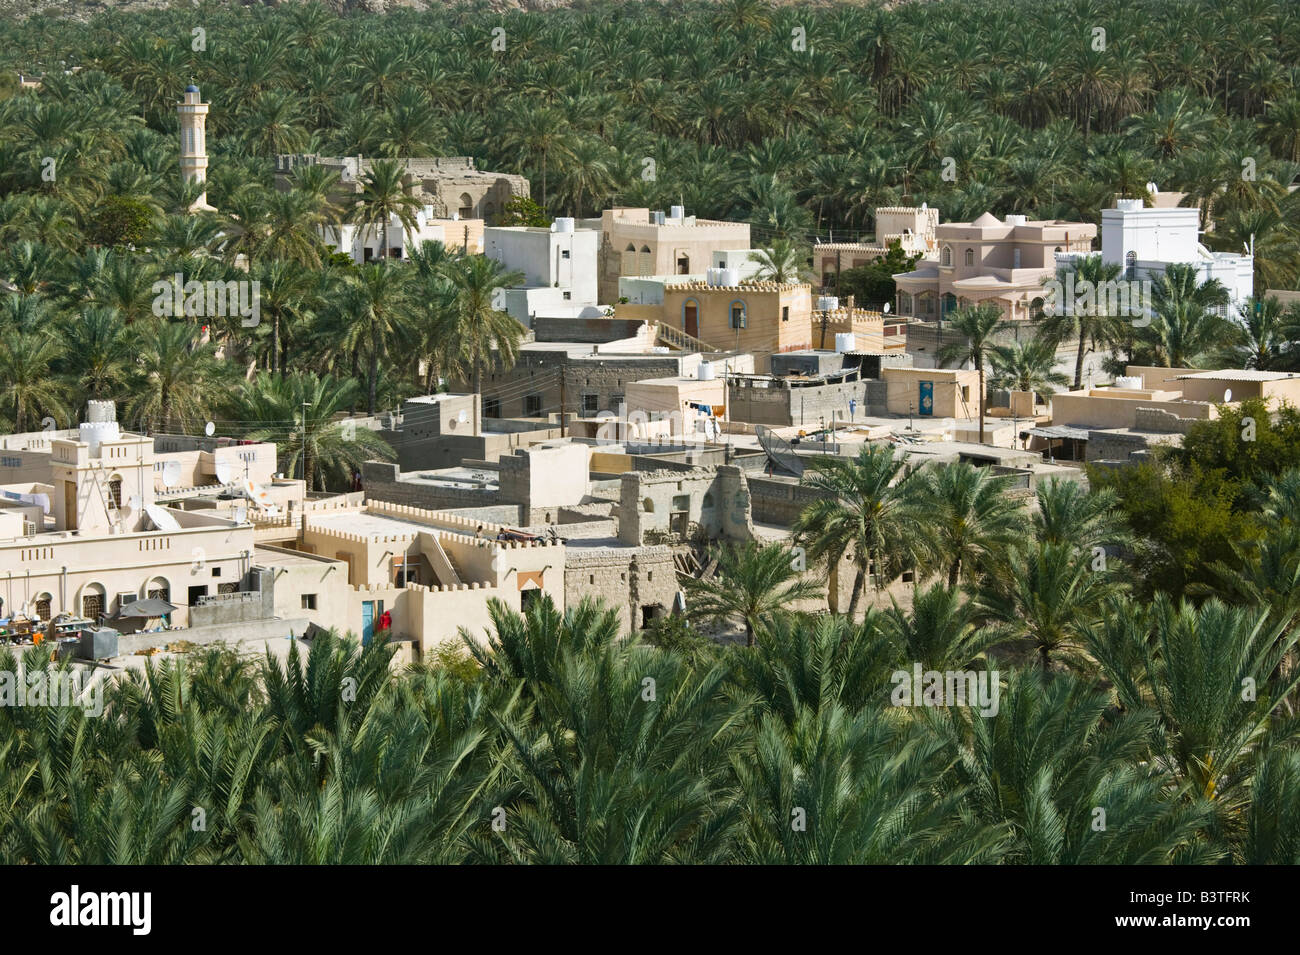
(306, 478)
(563, 432)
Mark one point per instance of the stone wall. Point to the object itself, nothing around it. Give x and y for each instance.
(383, 482)
(779, 502)
(591, 331)
(667, 502)
(808, 406)
(628, 580)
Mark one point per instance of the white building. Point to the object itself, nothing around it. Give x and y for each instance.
(1146, 240)
(362, 242)
(559, 265)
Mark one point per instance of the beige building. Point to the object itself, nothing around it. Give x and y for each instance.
(913, 228)
(932, 392)
(761, 318)
(1003, 261)
(1185, 393)
(638, 242)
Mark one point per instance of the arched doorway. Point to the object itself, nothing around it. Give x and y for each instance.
(691, 318)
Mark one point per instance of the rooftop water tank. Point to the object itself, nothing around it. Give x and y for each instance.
(677, 212)
(1016, 220)
(563, 224)
(729, 277)
(827, 303)
(844, 342)
(1133, 382)
(657, 217)
(706, 371)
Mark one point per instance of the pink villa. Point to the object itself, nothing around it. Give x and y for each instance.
(1004, 261)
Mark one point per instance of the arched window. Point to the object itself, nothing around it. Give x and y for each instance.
(1036, 308)
(946, 257)
(629, 261)
(1130, 265)
(466, 206)
(158, 589)
(43, 607)
(92, 602)
(970, 257)
(115, 492)
(738, 314)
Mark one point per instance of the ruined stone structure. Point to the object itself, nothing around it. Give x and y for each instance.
(659, 506)
(451, 184)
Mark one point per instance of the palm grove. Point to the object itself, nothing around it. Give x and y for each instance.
(1144, 630)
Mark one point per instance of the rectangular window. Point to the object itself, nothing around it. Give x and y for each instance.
(492, 407)
(965, 392)
(216, 571)
(568, 296)
(738, 315)
(532, 406)
(785, 313)
(590, 402)
(308, 601)
(564, 253)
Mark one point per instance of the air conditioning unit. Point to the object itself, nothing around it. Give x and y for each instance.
(126, 598)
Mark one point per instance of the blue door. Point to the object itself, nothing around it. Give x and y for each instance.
(367, 621)
(927, 398)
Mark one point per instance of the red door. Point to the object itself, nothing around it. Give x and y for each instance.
(692, 320)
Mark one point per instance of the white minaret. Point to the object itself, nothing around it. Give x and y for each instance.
(194, 145)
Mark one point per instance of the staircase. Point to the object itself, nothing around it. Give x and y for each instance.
(676, 338)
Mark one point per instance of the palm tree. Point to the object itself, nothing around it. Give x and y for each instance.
(300, 413)
(977, 327)
(1047, 601)
(374, 311)
(383, 197)
(175, 378)
(488, 335)
(969, 519)
(1027, 366)
(785, 262)
(1263, 336)
(31, 390)
(752, 586)
(99, 352)
(863, 513)
(1085, 323)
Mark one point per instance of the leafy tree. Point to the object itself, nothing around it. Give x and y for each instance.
(120, 221)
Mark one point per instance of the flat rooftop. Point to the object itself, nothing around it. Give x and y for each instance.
(363, 523)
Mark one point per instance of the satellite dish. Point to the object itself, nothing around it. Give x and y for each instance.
(886, 309)
(779, 452)
(1227, 395)
(128, 509)
(171, 473)
(222, 470)
(209, 429)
